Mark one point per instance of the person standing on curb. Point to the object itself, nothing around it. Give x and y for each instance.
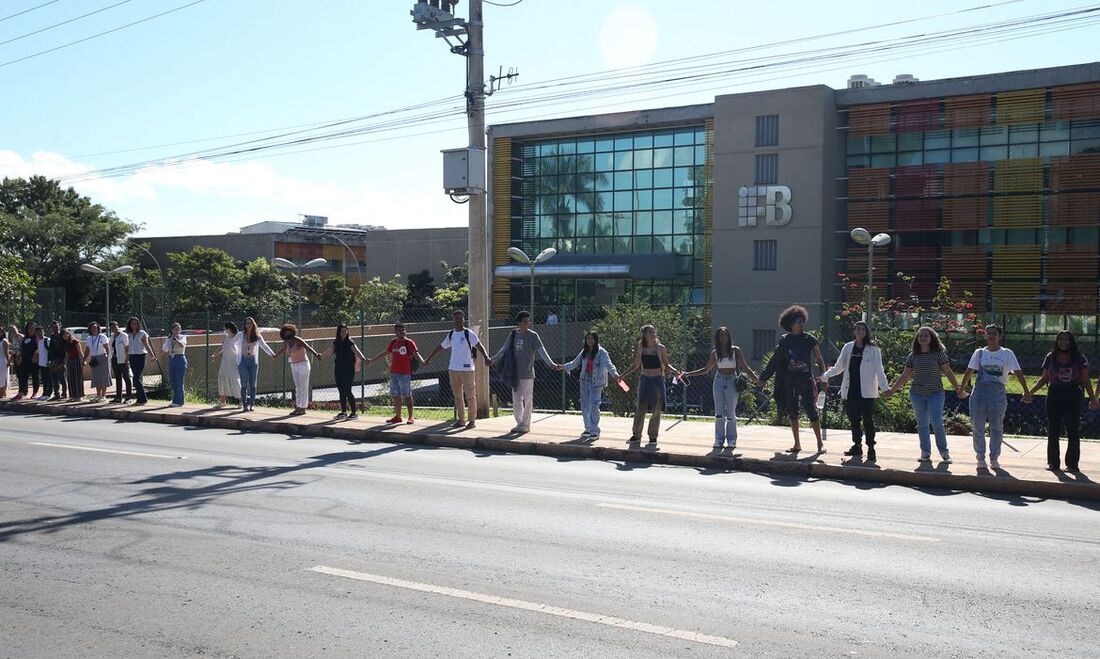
(464, 346)
(651, 358)
(345, 365)
(728, 384)
(74, 366)
(404, 359)
(864, 376)
(25, 368)
(596, 366)
(297, 351)
(517, 359)
(229, 375)
(42, 363)
(175, 346)
(56, 352)
(136, 354)
(120, 365)
(5, 360)
(1065, 370)
(98, 357)
(249, 344)
(988, 400)
(926, 364)
(791, 365)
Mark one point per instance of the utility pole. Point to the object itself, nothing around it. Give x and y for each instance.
(478, 235)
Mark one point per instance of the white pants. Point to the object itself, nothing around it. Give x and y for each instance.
(523, 396)
(300, 372)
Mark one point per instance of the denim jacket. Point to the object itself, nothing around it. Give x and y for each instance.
(600, 370)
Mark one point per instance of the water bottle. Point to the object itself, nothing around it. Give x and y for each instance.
(820, 402)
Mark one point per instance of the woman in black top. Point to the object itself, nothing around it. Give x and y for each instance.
(27, 370)
(346, 363)
(794, 383)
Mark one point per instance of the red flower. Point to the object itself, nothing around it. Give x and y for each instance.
(981, 331)
(841, 275)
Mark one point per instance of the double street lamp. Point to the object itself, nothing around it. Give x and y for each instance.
(287, 264)
(121, 270)
(864, 237)
(521, 256)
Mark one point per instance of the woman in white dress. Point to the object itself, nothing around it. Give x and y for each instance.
(229, 377)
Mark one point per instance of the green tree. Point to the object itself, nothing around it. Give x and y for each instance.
(266, 292)
(206, 280)
(456, 289)
(335, 301)
(421, 289)
(381, 301)
(17, 301)
(53, 230)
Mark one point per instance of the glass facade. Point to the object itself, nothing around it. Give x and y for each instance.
(636, 194)
(1000, 193)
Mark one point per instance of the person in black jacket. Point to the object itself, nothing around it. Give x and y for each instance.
(795, 388)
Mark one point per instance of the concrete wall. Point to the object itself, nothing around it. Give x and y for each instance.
(810, 160)
(245, 247)
(403, 251)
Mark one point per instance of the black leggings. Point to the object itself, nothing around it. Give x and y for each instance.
(861, 412)
(27, 372)
(801, 387)
(1064, 411)
(345, 380)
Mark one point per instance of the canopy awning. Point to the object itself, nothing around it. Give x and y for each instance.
(566, 271)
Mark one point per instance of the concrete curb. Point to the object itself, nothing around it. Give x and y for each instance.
(791, 468)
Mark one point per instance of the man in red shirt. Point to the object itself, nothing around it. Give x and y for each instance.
(402, 351)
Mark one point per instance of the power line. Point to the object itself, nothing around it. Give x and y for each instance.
(27, 11)
(71, 20)
(502, 4)
(96, 36)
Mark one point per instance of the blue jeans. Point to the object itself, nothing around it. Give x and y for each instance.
(929, 411)
(725, 409)
(249, 370)
(177, 371)
(591, 394)
(988, 402)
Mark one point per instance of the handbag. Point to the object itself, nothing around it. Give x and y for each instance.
(93, 362)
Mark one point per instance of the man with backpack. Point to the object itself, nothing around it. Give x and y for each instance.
(464, 346)
(404, 360)
(516, 360)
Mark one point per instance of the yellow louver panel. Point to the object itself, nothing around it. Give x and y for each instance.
(1013, 207)
(1015, 297)
(501, 228)
(1017, 262)
(1021, 107)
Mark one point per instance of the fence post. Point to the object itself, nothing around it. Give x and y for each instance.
(282, 387)
(206, 385)
(363, 349)
(561, 358)
(684, 364)
(825, 342)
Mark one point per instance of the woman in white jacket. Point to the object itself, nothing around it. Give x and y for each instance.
(864, 377)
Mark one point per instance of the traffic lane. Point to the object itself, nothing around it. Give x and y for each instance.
(412, 535)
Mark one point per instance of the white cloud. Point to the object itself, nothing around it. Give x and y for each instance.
(208, 197)
(628, 36)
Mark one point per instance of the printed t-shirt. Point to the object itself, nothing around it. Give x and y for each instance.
(993, 365)
(800, 349)
(401, 355)
(1062, 375)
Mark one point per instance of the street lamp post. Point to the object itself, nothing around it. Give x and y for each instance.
(863, 237)
(287, 264)
(521, 256)
(121, 270)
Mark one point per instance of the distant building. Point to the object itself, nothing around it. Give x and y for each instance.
(381, 252)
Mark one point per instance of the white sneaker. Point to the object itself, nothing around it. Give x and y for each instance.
(43, 398)
(945, 457)
(994, 463)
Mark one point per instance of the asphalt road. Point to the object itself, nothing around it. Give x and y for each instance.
(171, 541)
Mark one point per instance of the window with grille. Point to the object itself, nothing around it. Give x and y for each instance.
(767, 169)
(762, 343)
(765, 255)
(767, 130)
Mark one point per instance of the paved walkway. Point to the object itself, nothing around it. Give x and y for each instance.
(760, 448)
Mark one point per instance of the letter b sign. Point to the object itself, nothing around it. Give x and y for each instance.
(772, 203)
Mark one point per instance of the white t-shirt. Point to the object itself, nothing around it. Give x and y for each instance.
(97, 345)
(137, 342)
(43, 358)
(120, 343)
(993, 365)
(462, 357)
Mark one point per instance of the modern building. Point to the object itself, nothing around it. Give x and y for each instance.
(745, 204)
(351, 251)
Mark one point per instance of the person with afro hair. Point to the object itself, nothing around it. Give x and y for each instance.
(795, 387)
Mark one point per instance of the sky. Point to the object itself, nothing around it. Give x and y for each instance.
(220, 72)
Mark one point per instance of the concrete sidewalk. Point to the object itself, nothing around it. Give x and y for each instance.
(760, 449)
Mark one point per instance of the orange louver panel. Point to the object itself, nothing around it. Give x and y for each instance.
(1017, 262)
(1072, 263)
(1021, 107)
(965, 213)
(1016, 297)
(917, 116)
(967, 111)
(1075, 209)
(965, 178)
(1077, 297)
(869, 183)
(964, 263)
(1075, 102)
(1080, 172)
(873, 216)
(869, 120)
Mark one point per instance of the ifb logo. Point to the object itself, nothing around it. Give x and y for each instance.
(770, 202)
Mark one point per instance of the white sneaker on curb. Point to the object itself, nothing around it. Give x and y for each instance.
(945, 457)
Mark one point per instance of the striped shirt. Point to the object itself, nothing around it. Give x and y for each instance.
(926, 371)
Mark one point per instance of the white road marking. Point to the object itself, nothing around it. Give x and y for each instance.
(768, 522)
(610, 621)
(109, 450)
